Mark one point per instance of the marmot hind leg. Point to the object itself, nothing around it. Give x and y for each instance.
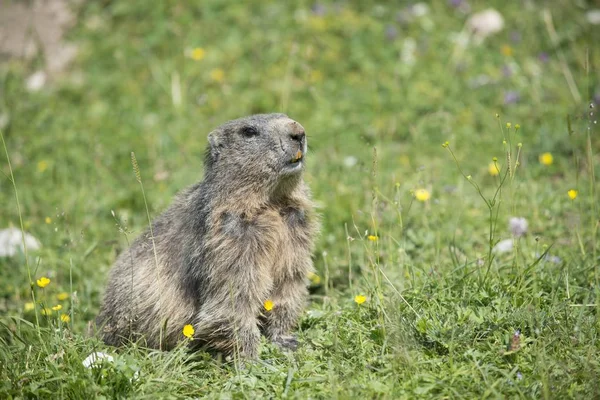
(288, 302)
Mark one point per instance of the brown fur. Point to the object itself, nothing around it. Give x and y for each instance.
(242, 236)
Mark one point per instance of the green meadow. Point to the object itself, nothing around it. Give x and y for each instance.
(455, 172)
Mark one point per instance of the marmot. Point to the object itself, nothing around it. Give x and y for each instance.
(224, 247)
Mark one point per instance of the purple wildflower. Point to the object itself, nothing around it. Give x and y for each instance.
(518, 226)
(318, 9)
(553, 259)
(460, 5)
(391, 32)
(519, 376)
(511, 97)
(515, 36)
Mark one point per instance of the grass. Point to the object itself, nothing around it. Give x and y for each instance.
(445, 316)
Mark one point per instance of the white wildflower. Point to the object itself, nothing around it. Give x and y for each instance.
(350, 161)
(518, 226)
(96, 358)
(409, 50)
(420, 10)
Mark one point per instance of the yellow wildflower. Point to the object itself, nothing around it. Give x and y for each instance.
(188, 331)
(360, 298)
(422, 194)
(373, 238)
(197, 53)
(43, 282)
(494, 168)
(65, 317)
(268, 305)
(506, 50)
(57, 307)
(546, 158)
(46, 311)
(29, 306)
(317, 23)
(217, 75)
(404, 160)
(48, 220)
(572, 194)
(62, 296)
(314, 278)
(445, 144)
(315, 76)
(42, 166)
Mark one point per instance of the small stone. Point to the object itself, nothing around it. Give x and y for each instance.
(36, 81)
(485, 23)
(11, 241)
(593, 17)
(503, 246)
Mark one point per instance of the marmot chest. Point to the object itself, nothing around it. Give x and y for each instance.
(278, 238)
(293, 244)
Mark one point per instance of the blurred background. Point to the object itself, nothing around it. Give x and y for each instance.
(379, 86)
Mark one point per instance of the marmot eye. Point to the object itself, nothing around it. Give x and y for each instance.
(249, 131)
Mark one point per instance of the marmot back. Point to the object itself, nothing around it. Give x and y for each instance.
(226, 245)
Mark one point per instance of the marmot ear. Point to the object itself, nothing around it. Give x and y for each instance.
(215, 145)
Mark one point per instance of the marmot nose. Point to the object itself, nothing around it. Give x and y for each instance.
(297, 133)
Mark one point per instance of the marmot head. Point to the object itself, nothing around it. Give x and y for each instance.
(265, 148)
